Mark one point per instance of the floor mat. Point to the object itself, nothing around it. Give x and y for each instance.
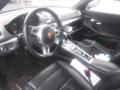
(22, 74)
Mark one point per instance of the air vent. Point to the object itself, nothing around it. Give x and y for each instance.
(1, 33)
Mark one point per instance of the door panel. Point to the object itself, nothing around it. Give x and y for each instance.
(104, 24)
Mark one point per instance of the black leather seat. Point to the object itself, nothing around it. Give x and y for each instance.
(110, 82)
(116, 59)
(59, 76)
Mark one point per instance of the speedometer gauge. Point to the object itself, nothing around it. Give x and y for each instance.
(13, 28)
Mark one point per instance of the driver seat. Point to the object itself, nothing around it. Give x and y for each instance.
(58, 76)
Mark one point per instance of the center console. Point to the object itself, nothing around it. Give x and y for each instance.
(82, 56)
(86, 59)
(77, 51)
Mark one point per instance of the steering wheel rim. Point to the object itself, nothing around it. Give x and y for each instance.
(26, 32)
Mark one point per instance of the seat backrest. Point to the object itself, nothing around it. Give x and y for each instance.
(58, 76)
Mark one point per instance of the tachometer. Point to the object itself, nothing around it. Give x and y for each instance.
(13, 28)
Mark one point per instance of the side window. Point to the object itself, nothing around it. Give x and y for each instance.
(92, 4)
(105, 6)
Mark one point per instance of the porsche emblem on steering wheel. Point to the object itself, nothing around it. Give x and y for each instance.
(50, 35)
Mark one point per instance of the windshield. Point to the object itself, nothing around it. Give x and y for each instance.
(17, 4)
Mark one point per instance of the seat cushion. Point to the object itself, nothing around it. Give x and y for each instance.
(58, 76)
(110, 82)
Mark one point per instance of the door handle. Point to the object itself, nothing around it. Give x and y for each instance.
(95, 21)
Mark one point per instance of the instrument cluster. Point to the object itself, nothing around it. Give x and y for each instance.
(15, 26)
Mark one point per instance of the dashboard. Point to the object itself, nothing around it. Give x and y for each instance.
(11, 24)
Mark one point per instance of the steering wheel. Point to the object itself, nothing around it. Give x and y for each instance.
(44, 38)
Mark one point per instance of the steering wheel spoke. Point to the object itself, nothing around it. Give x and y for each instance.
(57, 40)
(34, 29)
(46, 50)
